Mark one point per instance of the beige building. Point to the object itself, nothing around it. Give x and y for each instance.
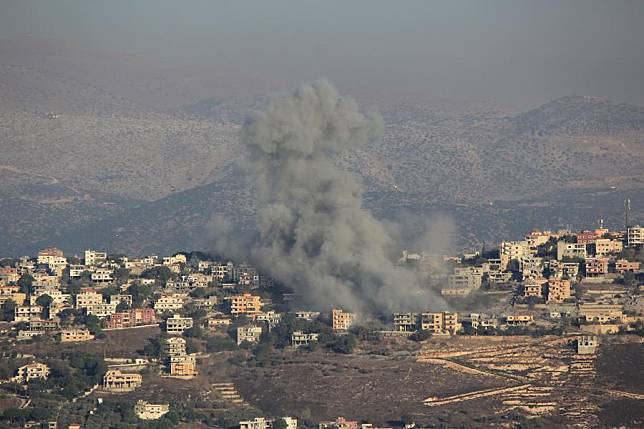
(146, 411)
(92, 257)
(406, 322)
(635, 236)
(245, 304)
(440, 323)
(250, 334)
(176, 324)
(299, 338)
(587, 344)
(31, 371)
(519, 319)
(75, 335)
(101, 310)
(623, 265)
(117, 381)
(571, 250)
(88, 297)
(596, 267)
(174, 346)
(606, 246)
(184, 366)
(170, 301)
(264, 423)
(558, 290)
(342, 320)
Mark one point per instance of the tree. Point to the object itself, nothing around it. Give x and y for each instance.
(122, 306)
(26, 283)
(280, 424)
(8, 311)
(121, 275)
(44, 301)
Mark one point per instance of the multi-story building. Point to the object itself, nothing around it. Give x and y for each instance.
(406, 322)
(31, 371)
(250, 334)
(101, 310)
(117, 381)
(117, 299)
(170, 301)
(533, 287)
(606, 246)
(601, 313)
(88, 297)
(558, 290)
(483, 321)
(102, 275)
(623, 265)
(132, 317)
(9, 274)
(299, 338)
(174, 346)
(440, 323)
(596, 267)
(635, 236)
(341, 321)
(571, 250)
(176, 324)
(75, 335)
(271, 318)
(509, 250)
(52, 257)
(93, 257)
(218, 322)
(245, 304)
(183, 366)
(587, 344)
(146, 411)
(24, 313)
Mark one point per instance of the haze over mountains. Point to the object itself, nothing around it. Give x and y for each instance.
(103, 149)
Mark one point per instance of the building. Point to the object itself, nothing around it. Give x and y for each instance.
(406, 322)
(606, 246)
(93, 257)
(177, 324)
(31, 371)
(558, 290)
(339, 423)
(533, 287)
(184, 366)
(245, 304)
(24, 313)
(587, 344)
(75, 335)
(509, 250)
(132, 317)
(600, 313)
(101, 310)
(571, 250)
(102, 275)
(483, 321)
(264, 423)
(519, 319)
(170, 301)
(117, 381)
(307, 315)
(219, 322)
(635, 236)
(174, 346)
(117, 299)
(52, 257)
(622, 266)
(146, 411)
(87, 297)
(299, 338)
(596, 267)
(341, 320)
(440, 323)
(250, 334)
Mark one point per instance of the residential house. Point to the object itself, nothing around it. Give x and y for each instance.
(176, 324)
(117, 381)
(250, 334)
(440, 323)
(75, 335)
(341, 321)
(146, 411)
(299, 338)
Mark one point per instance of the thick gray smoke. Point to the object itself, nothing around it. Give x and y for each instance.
(313, 233)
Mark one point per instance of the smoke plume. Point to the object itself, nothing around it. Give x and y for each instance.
(313, 233)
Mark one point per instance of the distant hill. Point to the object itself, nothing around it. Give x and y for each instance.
(581, 116)
(102, 147)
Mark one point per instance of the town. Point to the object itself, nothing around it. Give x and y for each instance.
(567, 287)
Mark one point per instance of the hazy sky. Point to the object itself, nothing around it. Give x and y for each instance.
(515, 53)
